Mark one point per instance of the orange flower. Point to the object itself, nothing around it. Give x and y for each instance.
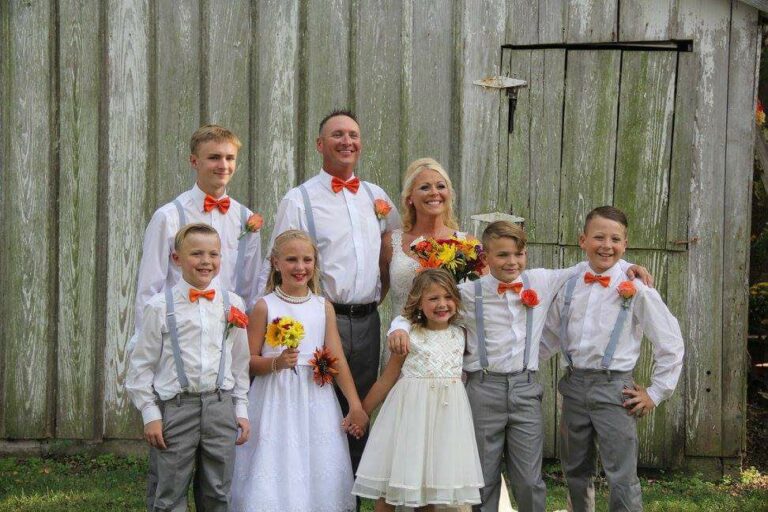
(432, 262)
(252, 225)
(237, 318)
(323, 366)
(529, 298)
(382, 208)
(626, 291)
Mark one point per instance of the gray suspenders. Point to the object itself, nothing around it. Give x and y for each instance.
(311, 227)
(480, 326)
(311, 216)
(615, 333)
(173, 331)
(241, 244)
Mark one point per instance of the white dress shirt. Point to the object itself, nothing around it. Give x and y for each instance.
(156, 270)
(592, 317)
(201, 327)
(348, 237)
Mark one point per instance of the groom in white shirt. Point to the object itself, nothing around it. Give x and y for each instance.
(336, 208)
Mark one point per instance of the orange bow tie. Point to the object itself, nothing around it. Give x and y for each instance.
(590, 278)
(504, 287)
(351, 185)
(210, 203)
(196, 294)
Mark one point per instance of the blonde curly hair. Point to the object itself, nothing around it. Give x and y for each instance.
(421, 282)
(408, 210)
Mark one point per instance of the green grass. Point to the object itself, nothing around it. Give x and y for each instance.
(117, 484)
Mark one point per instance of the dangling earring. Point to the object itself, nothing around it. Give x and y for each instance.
(419, 315)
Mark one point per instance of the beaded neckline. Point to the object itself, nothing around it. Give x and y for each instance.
(290, 298)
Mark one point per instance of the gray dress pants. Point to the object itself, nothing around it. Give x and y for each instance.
(506, 412)
(593, 416)
(200, 433)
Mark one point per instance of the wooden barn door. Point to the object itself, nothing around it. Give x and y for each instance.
(596, 127)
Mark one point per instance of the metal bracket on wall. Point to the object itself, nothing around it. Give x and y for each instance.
(511, 85)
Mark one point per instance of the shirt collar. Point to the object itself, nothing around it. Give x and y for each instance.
(198, 196)
(494, 283)
(326, 177)
(183, 288)
(614, 272)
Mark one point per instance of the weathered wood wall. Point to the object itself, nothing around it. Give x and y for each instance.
(98, 99)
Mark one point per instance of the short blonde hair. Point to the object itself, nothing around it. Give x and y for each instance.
(210, 132)
(283, 238)
(421, 282)
(408, 210)
(504, 229)
(198, 227)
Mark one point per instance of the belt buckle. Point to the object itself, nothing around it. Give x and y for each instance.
(353, 309)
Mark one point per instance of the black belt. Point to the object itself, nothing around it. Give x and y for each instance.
(355, 310)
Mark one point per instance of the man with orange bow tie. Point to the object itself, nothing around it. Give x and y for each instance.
(337, 210)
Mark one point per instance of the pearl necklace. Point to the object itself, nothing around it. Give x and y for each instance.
(290, 298)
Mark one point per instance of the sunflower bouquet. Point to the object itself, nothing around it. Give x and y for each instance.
(458, 256)
(284, 331)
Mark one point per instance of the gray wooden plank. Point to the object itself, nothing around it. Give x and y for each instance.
(547, 256)
(127, 42)
(428, 82)
(592, 21)
(481, 31)
(29, 199)
(589, 137)
(226, 79)
(5, 112)
(546, 87)
(641, 20)
(325, 68)
(708, 24)
(675, 408)
(522, 22)
(651, 430)
(176, 96)
(377, 90)
(644, 142)
(553, 16)
(742, 87)
(515, 183)
(77, 398)
(274, 103)
(682, 155)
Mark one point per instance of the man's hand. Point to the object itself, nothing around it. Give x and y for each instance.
(245, 430)
(638, 402)
(637, 271)
(153, 434)
(399, 342)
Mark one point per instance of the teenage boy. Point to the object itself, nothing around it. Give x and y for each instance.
(600, 318)
(504, 315)
(188, 375)
(213, 156)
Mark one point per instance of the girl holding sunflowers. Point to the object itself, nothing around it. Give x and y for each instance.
(297, 434)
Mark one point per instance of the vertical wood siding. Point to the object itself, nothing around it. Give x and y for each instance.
(98, 100)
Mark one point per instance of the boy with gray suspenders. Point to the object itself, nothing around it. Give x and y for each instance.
(599, 318)
(213, 157)
(505, 315)
(188, 375)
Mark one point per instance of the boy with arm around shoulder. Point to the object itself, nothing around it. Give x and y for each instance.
(599, 319)
(505, 315)
(188, 376)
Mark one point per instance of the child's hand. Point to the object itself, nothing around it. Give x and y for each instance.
(355, 423)
(399, 342)
(639, 272)
(289, 358)
(153, 434)
(638, 401)
(245, 430)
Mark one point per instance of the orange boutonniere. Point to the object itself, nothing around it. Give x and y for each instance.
(236, 318)
(626, 291)
(252, 225)
(382, 208)
(529, 298)
(323, 366)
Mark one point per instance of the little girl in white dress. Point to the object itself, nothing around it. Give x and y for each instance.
(297, 457)
(422, 450)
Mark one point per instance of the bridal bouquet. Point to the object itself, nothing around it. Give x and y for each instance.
(458, 256)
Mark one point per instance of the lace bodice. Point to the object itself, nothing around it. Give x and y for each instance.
(435, 354)
(402, 270)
